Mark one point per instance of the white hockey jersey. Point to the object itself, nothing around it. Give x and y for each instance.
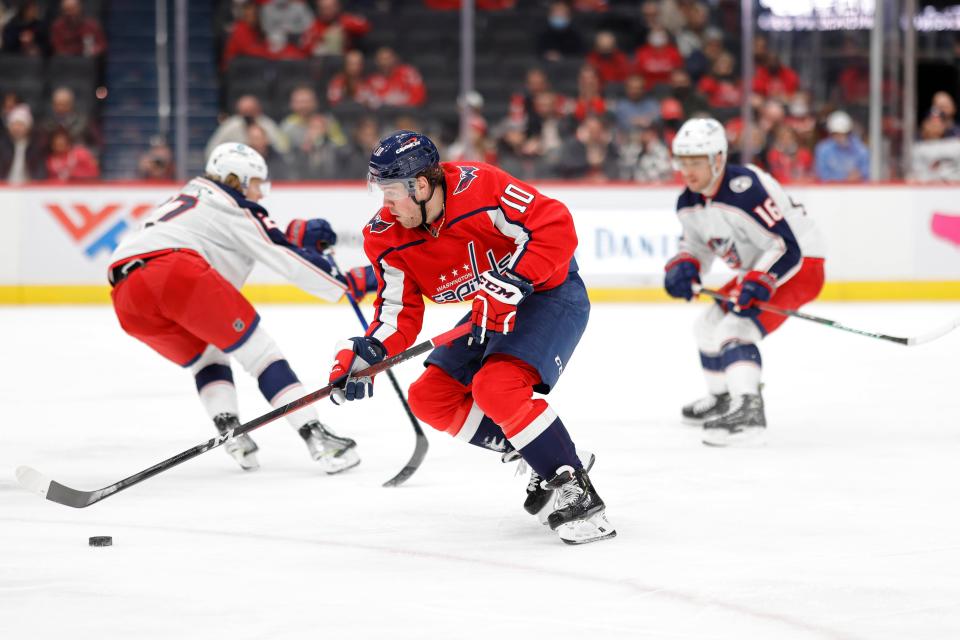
(750, 223)
(232, 234)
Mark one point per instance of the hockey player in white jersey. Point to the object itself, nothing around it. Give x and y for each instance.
(176, 288)
(742, 215)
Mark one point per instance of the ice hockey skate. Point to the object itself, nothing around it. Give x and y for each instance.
(743, 424)
(539, 501)
(333, 452)
(580, 516)
(706, 408)
(241, 448)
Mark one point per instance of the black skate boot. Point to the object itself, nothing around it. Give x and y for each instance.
(539, 500)
(745, 423)
(711, 406)
(333, 452)
(241, 448)
(580, 515)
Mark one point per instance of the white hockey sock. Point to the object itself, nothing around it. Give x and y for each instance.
(214, 381)
(301, 416)
(716, 381)
(743, 378)
(220, 397)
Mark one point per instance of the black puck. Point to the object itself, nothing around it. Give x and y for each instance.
(101, 541)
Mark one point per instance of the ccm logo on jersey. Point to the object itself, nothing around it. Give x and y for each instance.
(467, 176)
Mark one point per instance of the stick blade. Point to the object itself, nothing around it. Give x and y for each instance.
(33, 481)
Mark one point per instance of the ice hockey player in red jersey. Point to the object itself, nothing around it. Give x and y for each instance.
(176, 288)
(469, 231)
(742, 215)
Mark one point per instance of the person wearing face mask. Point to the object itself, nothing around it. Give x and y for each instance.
(560, 39)
(657, 59)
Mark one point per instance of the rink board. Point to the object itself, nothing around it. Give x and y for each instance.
(885, 242)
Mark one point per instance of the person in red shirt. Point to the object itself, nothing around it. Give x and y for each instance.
(395, 84)
(786, 159)
(350, 84)
(70, 162)
(333, 32)
(589, 100)
(74, 34)
(609, 61)
(468, 231)
(774, 80)
(246, 36)
(721, 87)
(657, 58)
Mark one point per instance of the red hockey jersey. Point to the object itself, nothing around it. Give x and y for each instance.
(491, 220)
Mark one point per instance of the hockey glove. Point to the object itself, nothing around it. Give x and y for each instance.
(681, 272)
(757, 286)
(495, 305)
(360, 280)
(311, 234)
(354, 355)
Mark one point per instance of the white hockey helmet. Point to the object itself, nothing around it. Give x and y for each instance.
(240, 160)
(701, 137)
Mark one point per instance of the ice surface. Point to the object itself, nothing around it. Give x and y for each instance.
(846, 526)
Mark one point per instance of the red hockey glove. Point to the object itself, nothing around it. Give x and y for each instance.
(354, 355)
(360, 280)
(311, 234)
(757, 286)
(495, 305)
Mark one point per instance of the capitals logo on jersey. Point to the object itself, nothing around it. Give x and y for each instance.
(467, 176)
(377, 224)
(461, 283)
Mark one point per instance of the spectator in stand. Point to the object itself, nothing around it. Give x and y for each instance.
(786, 159)
(10, 101)
(560, 39)
(64, 115)
(157, 163)
(22, 156)
(775, 80)
(395, 84)
(672, 117)
(235, 127)
(334, 32)
(355, 155)
(636, 109)
(644, 157)
(303, 106)
(521, 104)
(721, 87)
(315, 156)
(246, 36)
(285, 21)
(842, 157)
(591, 155)
(256, 137)
(74, 34)
(547, 139)
(350, 85)
(681, 88)
(483, 5)
(481, 147)
(657, 59)
(944, 107)
(589, 100)
(518, 155)
(693, 36)
(801, 120)
(26, 34)
(69, 162)
(609, 61)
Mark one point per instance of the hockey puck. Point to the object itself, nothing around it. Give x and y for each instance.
(101, 541)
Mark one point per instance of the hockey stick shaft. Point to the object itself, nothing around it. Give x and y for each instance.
(765, 306)
(36, 482)
(422, 444)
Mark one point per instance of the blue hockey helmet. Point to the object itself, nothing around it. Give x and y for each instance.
(400, 158)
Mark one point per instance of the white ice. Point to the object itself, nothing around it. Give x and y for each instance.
(846, 526)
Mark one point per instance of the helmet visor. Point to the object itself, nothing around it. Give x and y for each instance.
(384, 190)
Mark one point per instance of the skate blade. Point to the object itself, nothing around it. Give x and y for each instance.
(593, 529)
(692, 422)
(247, 462)
(339, 463)
(749, 437)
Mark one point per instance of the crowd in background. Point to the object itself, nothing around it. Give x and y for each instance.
(636, 82)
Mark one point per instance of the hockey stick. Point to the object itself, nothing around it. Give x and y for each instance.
(422, 444)
(34, 481)
(939, 332)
